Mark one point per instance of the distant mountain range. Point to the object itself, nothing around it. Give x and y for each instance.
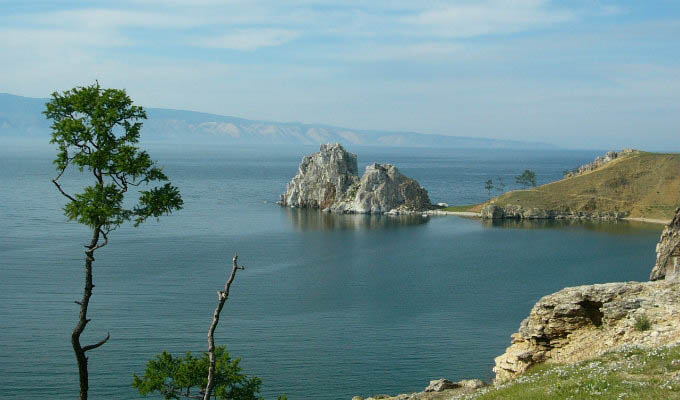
(21, 119)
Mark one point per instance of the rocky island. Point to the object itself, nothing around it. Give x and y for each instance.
(329, 181)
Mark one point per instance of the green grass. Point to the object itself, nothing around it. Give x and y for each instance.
(629, 374)
(460, 208)
(642, 323)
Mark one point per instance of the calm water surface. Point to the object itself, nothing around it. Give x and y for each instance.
(328, 306)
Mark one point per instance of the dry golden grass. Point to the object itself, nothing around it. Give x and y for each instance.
(646, 185)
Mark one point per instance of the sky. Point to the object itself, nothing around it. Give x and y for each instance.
(576, 74)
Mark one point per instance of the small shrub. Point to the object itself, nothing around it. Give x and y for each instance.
(642, 323)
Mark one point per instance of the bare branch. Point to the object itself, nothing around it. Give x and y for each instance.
(99, 343)
(62, 190)
(223, 295)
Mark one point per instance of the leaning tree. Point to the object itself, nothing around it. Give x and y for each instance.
(97, 130)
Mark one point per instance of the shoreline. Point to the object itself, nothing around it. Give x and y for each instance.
(479, 215)
(472, 214)
(457, 213)
(648, 220)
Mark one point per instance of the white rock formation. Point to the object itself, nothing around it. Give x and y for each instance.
(323, 178)
(329, 180)
(668, 252)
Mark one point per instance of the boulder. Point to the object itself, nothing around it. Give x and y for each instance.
(668, 252)
(471, 383)
(440, 385)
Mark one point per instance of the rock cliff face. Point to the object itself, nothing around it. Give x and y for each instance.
(582, 322)
(493, 211)
(323, 178)
(668, 252)
(329, 180)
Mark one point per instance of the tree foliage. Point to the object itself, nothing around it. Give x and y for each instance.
(488, 185)
(97, 129)
(500, 185)
(527, 178)
(176, 377)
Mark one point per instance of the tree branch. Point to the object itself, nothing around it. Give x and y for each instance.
(99, 246)
(94, 346)
(60, 189)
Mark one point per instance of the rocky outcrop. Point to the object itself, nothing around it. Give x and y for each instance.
(440, 389)
(323, 178)
(382, 189)
(668, 252)
(329, 180)
(599, 162)
(583, 322)
(494, 211)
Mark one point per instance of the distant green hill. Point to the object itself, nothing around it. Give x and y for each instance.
(646, 185)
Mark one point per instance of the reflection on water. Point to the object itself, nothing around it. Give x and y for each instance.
(307, 220)
(615, 227)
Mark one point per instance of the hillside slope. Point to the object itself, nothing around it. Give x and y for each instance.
(645, 185)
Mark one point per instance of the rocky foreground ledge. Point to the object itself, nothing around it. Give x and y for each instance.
(580, 323)
(585, 322)
(329, 180)
(439, 389)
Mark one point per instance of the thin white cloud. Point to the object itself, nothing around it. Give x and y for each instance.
(472, 19)
(247, 39)
(111, 18)
(49, 39)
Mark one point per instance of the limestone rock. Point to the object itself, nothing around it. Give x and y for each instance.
(668, 252)
(322, 179)
(471, 383)
(382, 189)
(582, 322)
(599, 162)
(329, 180)
(440, 389)
(440, 385)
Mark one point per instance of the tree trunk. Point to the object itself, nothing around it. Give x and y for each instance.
(83, 320)
(222, 295)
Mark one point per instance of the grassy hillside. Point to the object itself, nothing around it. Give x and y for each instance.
(644, 184)
(628, 374)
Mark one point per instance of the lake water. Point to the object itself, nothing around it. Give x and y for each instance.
(328, 306)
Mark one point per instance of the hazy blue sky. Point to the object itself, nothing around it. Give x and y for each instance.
(584, 73)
